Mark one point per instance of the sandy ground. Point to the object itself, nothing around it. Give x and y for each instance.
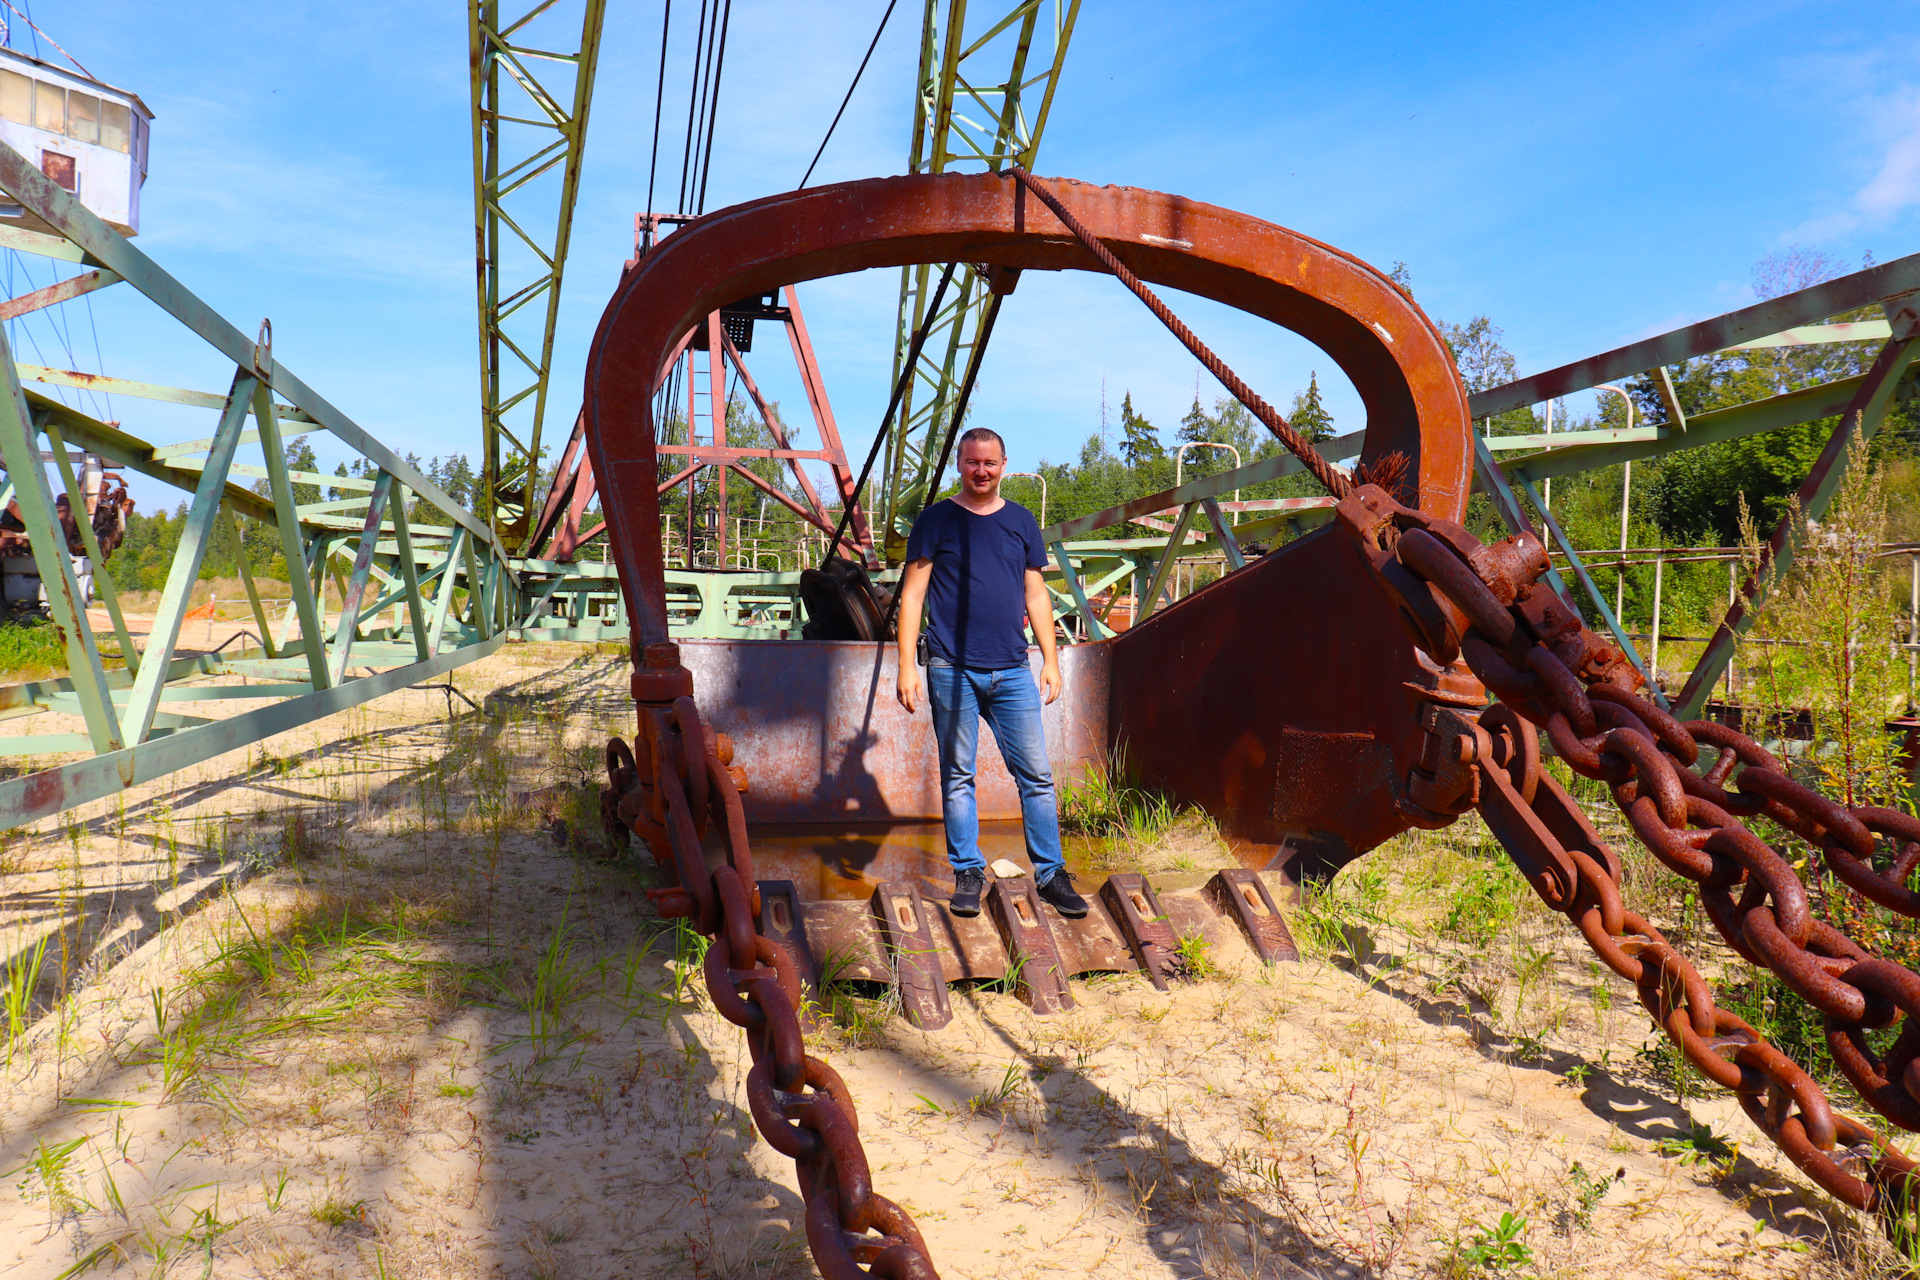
(337, 1006)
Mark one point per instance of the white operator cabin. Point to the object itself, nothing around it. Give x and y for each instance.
(88, 137)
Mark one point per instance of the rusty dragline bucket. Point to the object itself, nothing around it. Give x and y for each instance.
(1286, 699)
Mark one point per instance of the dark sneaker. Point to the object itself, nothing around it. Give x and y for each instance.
(1058, 892)
(967, 888)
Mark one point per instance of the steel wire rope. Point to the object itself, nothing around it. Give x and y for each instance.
(871, 46)
(659, 102)
(697, 128)
(1334, 480)
(693, 97)
(99, 360)
(974, 361)
(713, 114)
(907, 370)
(62, 326)
(18, 325)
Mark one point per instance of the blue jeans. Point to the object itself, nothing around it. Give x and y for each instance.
(1010, 702)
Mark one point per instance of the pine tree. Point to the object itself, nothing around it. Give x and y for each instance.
(1197, 425)
(1142, 442)
(1310, 417)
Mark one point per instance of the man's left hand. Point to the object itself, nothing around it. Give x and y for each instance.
(1050, 682)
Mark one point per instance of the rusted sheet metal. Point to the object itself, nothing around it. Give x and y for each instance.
(1243, 897)
(1093, 943)
(817, 727)
(906, 927)
(970, 946)
(1287, 702)
(1389, 350)
(845, 942)
(1040, 975)
(1134, 907)
(1192, 913)
(782, 923)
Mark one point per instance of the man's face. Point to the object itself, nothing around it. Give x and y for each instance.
(981, 463)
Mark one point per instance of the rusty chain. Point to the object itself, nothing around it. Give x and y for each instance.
(1463, 598)
(669, 788)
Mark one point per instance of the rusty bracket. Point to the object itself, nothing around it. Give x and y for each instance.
(1445, 781)
(1143, 922)
(781, 924)
(1039, 975)
(908, 932)
(1243, 895)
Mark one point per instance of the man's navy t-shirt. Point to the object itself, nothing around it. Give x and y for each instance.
(977, 597)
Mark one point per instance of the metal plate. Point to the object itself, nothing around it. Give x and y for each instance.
(845, 942)
(823, 739)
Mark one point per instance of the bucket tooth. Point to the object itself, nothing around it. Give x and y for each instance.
(907, 929)
(782, 924)
(1040, 975)
(1143, 922)
(1243, 895)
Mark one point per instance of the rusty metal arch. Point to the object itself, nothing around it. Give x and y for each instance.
(1368, 325)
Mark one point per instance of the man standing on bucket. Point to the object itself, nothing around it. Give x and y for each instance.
(974, 562)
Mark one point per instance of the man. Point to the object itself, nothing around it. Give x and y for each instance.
(975, 559)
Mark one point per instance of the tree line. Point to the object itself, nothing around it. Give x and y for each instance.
(1692, 497)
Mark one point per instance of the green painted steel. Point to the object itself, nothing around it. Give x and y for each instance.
(185, 570)
(76, 501)
(1862, 418)
(132, 724)
(20, 451)
(510, 102)
(972, 107)
(41, 795)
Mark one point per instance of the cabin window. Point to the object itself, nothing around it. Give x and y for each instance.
(116, 129)
(83, 117)
(16, 97)
(49, 107)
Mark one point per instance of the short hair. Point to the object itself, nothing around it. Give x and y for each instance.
(983, 433)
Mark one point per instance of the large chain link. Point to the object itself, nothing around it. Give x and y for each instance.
(1487, 604)
(669, 789)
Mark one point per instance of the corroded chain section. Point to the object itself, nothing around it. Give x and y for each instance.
(1487, 604)
(670, 788)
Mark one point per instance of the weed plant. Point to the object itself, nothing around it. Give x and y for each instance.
(30, 647)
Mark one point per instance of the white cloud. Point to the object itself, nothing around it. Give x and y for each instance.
(1893, 190)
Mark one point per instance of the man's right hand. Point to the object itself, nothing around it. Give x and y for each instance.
(910, 688)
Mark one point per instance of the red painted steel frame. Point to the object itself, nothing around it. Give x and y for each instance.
(1286, 698)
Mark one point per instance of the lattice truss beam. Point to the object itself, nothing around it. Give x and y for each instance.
(424, 586)
(530, 108)
(1509, 468)
(984, 90)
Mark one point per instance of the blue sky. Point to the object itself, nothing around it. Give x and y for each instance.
(1583, 174)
